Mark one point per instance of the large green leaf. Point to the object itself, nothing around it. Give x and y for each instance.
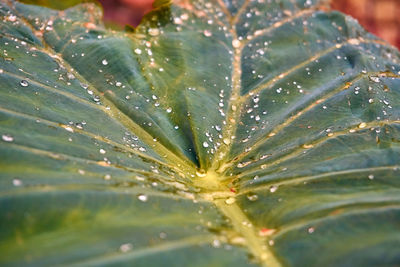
(213, 131)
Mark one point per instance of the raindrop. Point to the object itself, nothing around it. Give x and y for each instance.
(226, 141)
(216, 243)
(125, 247)
(207, 33)
(230, 201)
(252, 197)
(154, 31)
(17, 182)
(273, 189)
(7, 138)
(24, 83)
(236, 43)
(142, 197)
(362, 125)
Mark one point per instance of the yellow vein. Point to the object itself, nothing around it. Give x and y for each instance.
(114, 258)
(98, 188)
(315, 103)
(280, 23)
(233, 108)
(302, 179)
(86, 133)
(224, 9)
(305, 223)
(65, 157)
(227, 204)
(236, 18)
(297, 150)
(113, 111)
(317, 56)
(56, 91)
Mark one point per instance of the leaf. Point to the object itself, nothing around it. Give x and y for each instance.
(214, 130)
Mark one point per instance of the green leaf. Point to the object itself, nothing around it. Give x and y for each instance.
(213, 131)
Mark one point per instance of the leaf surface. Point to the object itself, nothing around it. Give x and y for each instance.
(213, 130)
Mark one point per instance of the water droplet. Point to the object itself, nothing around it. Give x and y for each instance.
(375, 79)
(227, 141)
(216, 243)
(17, 182)
(371, 177)
(205, 144)
(102, 151)
(236, 43)
(230, 201)
(142, 197)
(7, 138)
(311, 230)
(362, 125)
(104, 62)
(252, 197)
(24, 83)
(207, 33)
(107, 177)
(169, 110)
(125, 247)
(154, 31)
(138, 51)
(273, 189)
(163, 235)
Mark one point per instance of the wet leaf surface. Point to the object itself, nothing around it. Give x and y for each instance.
(217, 133)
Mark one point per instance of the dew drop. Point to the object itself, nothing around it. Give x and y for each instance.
(216, 243)
(310, 230)
(227, 141)
(102, 151)
(7, 138)
(17, 182)
(205, 144)
(252, 197)
(236, 43)
(362, 125)
(125, 247)
(371, 177)
(24, 83)
(169, 110)
(104, 62)
(273, 189)
(142, 197)
(138, 51)
(154, 31)
(230, 201)
(207, 33)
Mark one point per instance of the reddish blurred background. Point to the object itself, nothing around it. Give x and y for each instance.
(377, 16)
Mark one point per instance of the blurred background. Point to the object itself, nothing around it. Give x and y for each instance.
(380, 17)
(377, 16)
